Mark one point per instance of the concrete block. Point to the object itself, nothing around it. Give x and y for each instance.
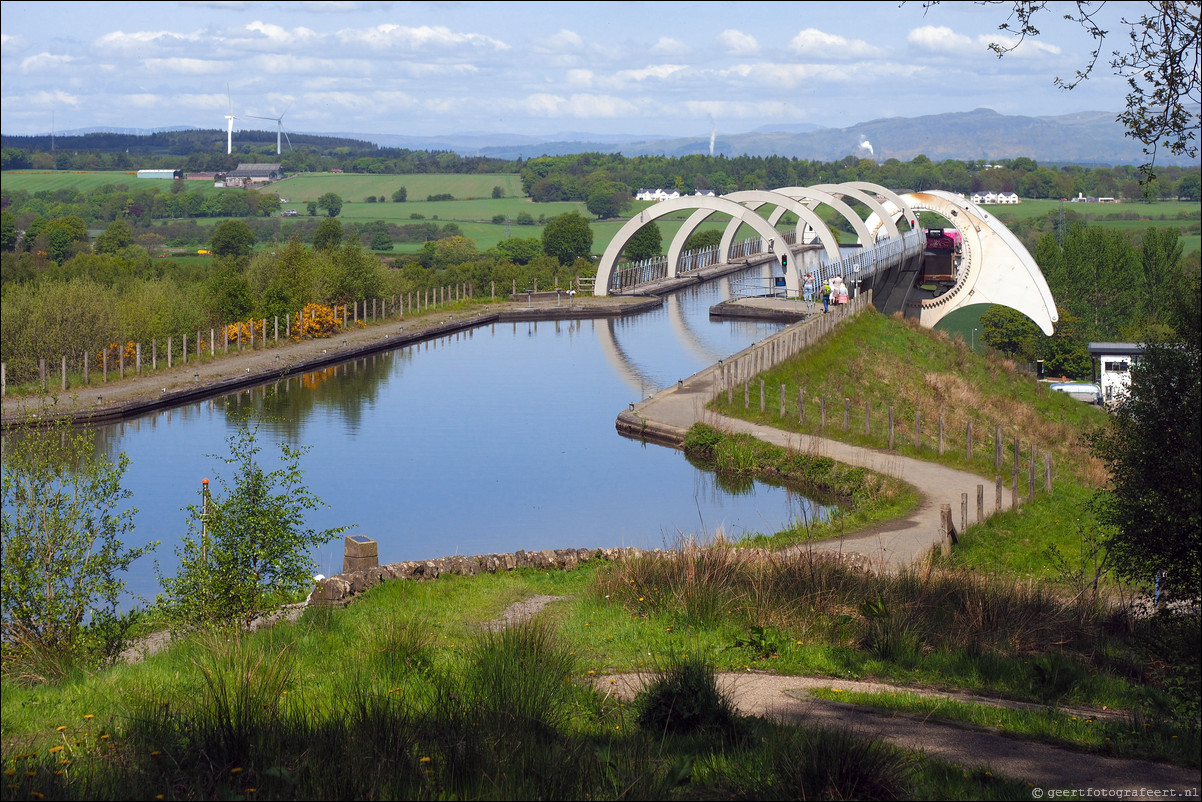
(359, 552)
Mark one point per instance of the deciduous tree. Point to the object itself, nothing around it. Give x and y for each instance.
(567, 237)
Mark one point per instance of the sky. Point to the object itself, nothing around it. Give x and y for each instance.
(536, 69)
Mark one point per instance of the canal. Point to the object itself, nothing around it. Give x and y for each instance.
(491, 440)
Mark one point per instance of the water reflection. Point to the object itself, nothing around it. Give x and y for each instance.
(488, 440)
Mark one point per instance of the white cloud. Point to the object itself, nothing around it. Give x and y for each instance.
(45, 61)
(667, 46)
(186, 66)
(390, 35)
(738, 43)
(579, 106)
(943, 41)
(135, 43)
(654, 71)
(53, 99)
(817, 44)
(277, 35)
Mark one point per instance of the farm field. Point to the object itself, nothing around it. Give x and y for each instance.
(85, 181)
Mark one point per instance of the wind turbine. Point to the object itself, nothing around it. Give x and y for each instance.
(279, 129)
(229, 136)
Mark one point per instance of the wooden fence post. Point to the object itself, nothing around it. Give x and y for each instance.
(997, 448)
(1047, 471)
(917, 430)
(64, 373)
(968, 439)
(941, 435)
(822, 410)
(846, 413)
(1031, 475)
(890, 427)
(782, 401)
(980, 503)
(963, 511)
(86, 382)
(997, 501)
(801, 406)
(761, 396)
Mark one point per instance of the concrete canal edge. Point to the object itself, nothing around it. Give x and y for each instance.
(60, 408)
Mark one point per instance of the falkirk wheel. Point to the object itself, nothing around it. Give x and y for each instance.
(994, 266)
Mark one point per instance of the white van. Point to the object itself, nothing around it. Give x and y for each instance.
(1082, 391)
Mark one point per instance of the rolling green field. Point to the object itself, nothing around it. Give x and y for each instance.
(85, 181)
(474, 207)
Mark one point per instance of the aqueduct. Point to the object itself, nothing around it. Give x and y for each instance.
(993, 267)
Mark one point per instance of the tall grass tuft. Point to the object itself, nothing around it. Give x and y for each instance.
(684, 699)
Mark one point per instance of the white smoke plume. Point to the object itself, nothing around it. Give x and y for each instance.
(866, 145)
(713, 135)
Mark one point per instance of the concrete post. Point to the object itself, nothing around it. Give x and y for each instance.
(359, 553)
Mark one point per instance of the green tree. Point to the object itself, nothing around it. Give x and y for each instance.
(517, 250)
(1189, 188)
(567, 237)
(229, 292)
(381, 241)
(1011, 332)
(116, 236)
(498, 192)
(8, 231)
(232, 238)
(645, 244)
(331, 202)
(607, 198)
(311, 208)
(247, 545)
(1150, 449)
(64, 516)
(328, 235)
(401, 195)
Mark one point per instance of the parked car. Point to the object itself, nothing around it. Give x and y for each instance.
(1082, 391)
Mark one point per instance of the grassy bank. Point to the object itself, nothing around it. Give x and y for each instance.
(411, 693)
(873, 368)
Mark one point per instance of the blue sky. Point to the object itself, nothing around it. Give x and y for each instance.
(530, 68)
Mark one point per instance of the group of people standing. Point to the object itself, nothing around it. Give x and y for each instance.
(833, 291)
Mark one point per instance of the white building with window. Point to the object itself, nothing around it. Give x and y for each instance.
(1112, 366)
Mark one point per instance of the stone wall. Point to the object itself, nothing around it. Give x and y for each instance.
(341, 589)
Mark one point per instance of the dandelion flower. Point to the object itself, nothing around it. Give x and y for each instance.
(54, 749)
(235, 770)
(60, 729)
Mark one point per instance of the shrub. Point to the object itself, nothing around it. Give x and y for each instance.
(62, 527)
(252, 544)
(684, 699)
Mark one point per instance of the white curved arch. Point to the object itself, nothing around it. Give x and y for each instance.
(899, 205)
(735, 210)
(816, 196)
(995, 267)
(868, 200)
(754, 198)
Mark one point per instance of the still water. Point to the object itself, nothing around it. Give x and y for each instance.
(492, 440)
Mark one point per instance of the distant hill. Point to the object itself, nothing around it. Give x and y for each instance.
(1090, 138)
(1082, 138)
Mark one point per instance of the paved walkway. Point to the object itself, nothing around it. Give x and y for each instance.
(669, 414)
(1045, 767)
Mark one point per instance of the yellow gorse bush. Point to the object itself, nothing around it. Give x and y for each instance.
(317, 321)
